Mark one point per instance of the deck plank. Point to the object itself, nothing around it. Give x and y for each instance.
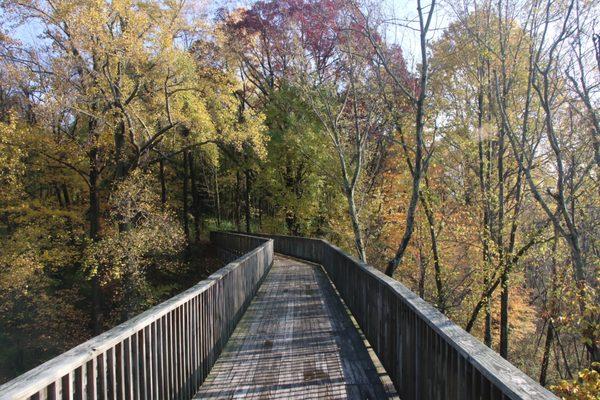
(296, 340)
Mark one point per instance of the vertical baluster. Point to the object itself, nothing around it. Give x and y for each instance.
(195, 343)
(174, 356)
(172, 388)
(148, 362)
(155, 372)
(183, 342)
(134, 349)
(177, 348)
(160, 394)
(119, 372)
(52, 391)
(192, 339)
(476, 389)
(128, 368)
(78, 384)
(191, 378)
(142, 364)
(111, 374)
(165, 356)
(102, 389)
(182, 354)
(466, 374)
(65, 387)
(91, 379)
(486, 390)
(202, 351)
(211, 326)
(188, 341)
(185, 339)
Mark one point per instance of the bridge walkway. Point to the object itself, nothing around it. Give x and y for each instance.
(296, 340)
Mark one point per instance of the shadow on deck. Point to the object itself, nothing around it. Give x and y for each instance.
(270, 327)
(296, 340)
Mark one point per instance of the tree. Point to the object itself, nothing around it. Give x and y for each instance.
(416, 94)
(570, 172)
(268, 44)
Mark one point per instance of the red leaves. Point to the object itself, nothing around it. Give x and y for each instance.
(276, 26)
(278, 38)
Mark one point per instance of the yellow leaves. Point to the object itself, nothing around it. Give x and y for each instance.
(12, 153)
(585, 387)
(193, 111)
(211, 153)
(252, 131)
(17, 270)
(150, 231)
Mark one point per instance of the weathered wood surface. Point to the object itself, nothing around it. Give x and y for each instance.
(168, 351)
(296, 340)
(163, 353)
(426, 355)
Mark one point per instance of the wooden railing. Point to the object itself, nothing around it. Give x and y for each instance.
(163, 353)
(426, 355)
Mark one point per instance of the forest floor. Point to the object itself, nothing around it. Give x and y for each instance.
(201, 260)
(167, 278)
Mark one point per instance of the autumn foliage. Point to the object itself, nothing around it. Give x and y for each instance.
(463, 160)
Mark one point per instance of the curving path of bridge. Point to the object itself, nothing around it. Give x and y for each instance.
(296, 340)
(291, 337)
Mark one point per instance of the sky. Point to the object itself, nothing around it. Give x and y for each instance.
(402, 11)
(408, 39)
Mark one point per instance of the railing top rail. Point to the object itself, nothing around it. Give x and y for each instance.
(512, 381)
(53, 369)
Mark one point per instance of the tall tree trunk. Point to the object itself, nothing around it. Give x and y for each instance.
(490, 227)
(94, 196)
(437, 264)
(94, 233)
(484, 174)
(502, 105)
(163, 184)
(546, 356)
(238, 200)
(418, 168)
(65, 192)
(186, 224)
(217, 197)
(500, 246)
(121, 164)
(195, 197)
(551, 311)
(422, 273)
(358, 238)
(59, 198)
(247, 189)
(121, 167)
(487, 335)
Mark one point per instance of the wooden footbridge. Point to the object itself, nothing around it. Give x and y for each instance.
(288, 318)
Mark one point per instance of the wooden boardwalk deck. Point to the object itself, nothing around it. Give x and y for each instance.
(296, 340)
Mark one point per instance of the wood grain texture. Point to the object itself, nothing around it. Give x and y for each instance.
(426, 355)
(296, 340)
(159, 354)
